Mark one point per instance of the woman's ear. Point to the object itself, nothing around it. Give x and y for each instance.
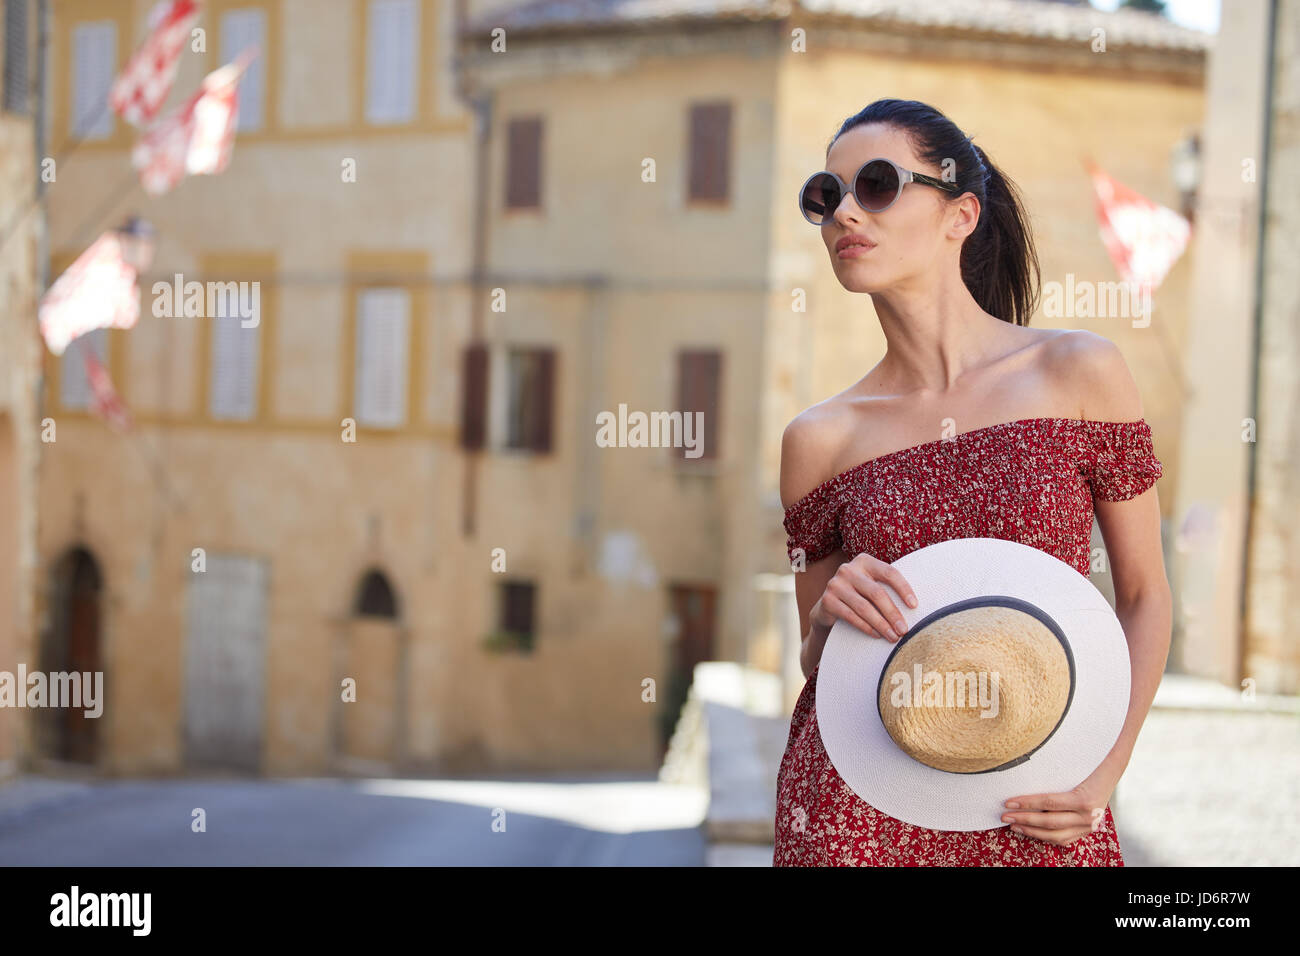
(965, 213)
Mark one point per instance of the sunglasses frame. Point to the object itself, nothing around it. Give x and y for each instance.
(905, 176)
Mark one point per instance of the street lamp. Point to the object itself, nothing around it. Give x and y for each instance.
(138, 239)
(1185, 169)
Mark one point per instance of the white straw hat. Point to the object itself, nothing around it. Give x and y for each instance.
(1011, 679)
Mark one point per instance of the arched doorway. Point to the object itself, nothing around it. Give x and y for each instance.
(72, 645)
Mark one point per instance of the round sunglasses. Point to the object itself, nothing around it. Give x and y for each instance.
(876, 187)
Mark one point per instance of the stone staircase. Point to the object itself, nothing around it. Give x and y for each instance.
(730, 738)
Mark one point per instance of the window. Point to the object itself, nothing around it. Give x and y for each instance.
(699, 376)
(233, 394)
(515, 609)
(710, 145)
(391, 56)
(530, 380)
(74, 387)
(524, 163)
(94, 54)
(519, 411)
(15, 56)
(382, 349)
(241, 29)
(375, 597)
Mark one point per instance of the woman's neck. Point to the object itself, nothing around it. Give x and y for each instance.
(933, 336)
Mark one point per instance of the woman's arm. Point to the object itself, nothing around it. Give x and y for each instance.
(833, 587)
(1131, 533)
(1143, 603)
(809, 585)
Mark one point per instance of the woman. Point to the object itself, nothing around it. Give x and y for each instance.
(971, 425)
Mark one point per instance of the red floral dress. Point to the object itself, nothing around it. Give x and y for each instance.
(1031, 481)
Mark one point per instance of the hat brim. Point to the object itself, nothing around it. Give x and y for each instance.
(874, 767)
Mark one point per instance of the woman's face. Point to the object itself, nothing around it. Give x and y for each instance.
(909, 236)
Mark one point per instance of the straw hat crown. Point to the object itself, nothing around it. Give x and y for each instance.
(976, 689)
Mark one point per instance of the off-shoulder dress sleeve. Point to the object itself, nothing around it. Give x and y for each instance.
(1119, 460)
(813, 523)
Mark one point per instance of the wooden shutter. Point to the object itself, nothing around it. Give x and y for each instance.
(241, 29)
(710, 151)
(698, 390)
(74, 387)
(233, 376)
(94, 54)
(523, 163)
(391, 57)
(540, 411)
(382, 356)
(474, 394)
(15, 55)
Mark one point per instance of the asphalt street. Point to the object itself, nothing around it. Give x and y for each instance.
(327, 822)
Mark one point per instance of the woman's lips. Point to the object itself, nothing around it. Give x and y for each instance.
(855, 251)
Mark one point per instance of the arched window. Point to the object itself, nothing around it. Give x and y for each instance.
(375, 597)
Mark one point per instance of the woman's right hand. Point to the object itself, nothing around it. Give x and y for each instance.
(857, 594)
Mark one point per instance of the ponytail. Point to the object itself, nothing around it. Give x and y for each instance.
(998, 261)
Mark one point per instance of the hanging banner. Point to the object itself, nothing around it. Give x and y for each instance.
(198, 138)
(104, 400)
(1143, 238)
(141, 88)
(98, 291)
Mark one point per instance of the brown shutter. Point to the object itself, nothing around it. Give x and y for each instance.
(710, 151)
(474, 390)
(698, 380)
(543, 402)
(523, 163)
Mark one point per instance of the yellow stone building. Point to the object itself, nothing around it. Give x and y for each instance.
(21, 235)
(368, 524)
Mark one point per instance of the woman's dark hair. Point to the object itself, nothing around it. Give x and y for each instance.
(998, 261)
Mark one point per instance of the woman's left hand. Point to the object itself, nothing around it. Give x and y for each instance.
(1063, 818)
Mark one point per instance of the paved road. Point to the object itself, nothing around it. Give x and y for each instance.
(1212, 789)
(574, 822)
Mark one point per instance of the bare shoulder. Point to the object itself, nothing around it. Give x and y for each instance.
(809, 446)
(1092, 369)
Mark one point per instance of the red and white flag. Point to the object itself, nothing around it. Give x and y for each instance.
(199, 137)
(97, 291)
(1144, 239)
(104, 400)
(141, 88)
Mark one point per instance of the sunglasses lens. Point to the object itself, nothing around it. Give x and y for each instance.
(820, 199)
(877, 185)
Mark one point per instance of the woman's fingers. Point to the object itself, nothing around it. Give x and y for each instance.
(880, 597)
(844, 612)
(857, 594)
(895, 577)
(854, 593)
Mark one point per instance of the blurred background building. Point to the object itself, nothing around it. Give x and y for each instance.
(21, 238)
(1237, 553)
(474, 228)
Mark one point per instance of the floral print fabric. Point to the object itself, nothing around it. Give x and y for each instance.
(1032, 481)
